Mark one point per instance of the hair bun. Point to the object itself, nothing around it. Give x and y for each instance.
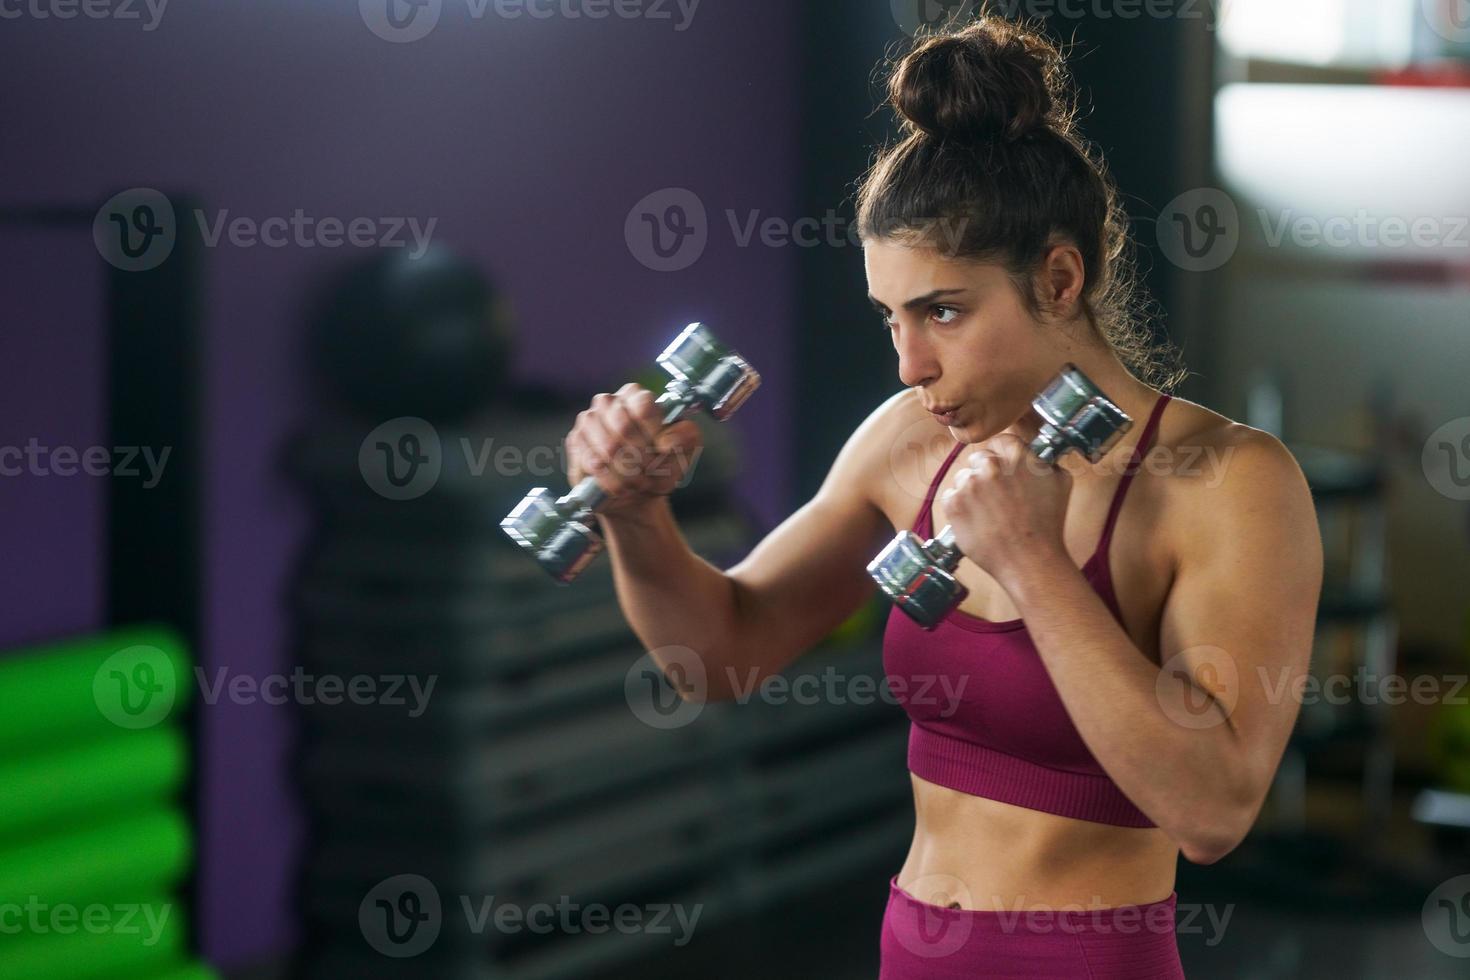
(994, 79)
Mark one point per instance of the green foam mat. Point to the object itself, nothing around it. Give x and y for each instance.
(194, 971)
(122, 857)
(127, 679)
(98, 942)
(111, 774)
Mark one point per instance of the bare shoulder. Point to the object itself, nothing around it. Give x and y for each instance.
(901, 447)
(1228, 477)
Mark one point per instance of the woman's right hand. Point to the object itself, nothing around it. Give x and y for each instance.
(621, 441)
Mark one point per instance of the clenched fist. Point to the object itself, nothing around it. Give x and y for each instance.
(620, 440)
(1007, 505)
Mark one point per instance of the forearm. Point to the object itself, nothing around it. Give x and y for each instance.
(671, 597)
(1183, 777)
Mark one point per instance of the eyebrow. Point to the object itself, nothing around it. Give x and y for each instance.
(918, 301)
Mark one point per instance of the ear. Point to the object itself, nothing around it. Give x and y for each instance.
(1060, 280)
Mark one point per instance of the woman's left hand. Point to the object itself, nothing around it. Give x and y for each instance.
(1007, 506)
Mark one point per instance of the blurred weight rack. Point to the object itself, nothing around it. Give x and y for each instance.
(529, 778)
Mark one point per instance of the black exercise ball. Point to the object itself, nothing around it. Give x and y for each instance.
(393, 335)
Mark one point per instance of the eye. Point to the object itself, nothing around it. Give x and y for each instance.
(886, 319)
(946, 309)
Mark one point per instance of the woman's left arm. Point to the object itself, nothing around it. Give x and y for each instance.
(1195, 745)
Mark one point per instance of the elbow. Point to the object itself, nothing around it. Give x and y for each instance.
(1211, 838)
(697, 680)
(1207, 850)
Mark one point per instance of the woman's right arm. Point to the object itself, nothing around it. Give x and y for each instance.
(796, 586)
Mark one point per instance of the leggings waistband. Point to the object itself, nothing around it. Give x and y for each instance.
(1068, 920)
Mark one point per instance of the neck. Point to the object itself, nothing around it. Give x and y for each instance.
(1103, 368)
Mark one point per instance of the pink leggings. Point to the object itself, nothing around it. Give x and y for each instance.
(928, 942)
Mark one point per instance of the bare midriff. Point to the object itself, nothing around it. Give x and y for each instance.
(974, 853)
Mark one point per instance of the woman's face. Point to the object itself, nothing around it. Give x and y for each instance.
(962, 335)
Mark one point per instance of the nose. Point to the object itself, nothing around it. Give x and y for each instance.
(916, 362)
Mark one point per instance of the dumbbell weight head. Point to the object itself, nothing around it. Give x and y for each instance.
(550, 529)
(706, 374)
(1076, 415)
(916, 575)
(560, 532)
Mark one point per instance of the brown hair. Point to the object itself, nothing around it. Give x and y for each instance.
(991, 166)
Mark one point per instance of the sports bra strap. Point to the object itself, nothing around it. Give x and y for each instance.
(1135, 462)
(924, 523)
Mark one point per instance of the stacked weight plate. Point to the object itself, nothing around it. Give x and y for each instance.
(94, 839)
(526, 777)
(518, 774)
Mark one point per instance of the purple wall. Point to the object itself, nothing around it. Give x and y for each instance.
(529, 141)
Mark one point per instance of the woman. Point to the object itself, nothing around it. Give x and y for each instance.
(1117, 667)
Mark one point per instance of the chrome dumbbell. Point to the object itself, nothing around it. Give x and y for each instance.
(916, 575)
(705, 376)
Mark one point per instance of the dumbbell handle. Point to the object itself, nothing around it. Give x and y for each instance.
(942, 547)
(588, 495)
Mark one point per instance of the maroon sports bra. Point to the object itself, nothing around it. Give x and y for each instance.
(1006, 736)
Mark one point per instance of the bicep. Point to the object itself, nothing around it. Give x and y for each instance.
(1238, 623)
(810, 574)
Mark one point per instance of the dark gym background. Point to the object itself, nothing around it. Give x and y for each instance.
(533, 144)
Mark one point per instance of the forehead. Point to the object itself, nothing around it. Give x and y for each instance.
(898, 272)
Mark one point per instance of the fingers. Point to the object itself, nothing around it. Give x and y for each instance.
(638, 402)
(617, 441)
(616, 449)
